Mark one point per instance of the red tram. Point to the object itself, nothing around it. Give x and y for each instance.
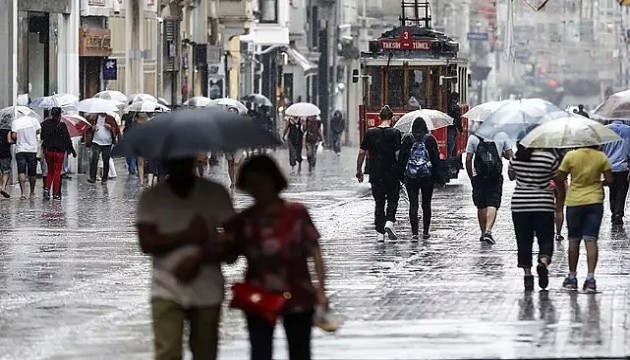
(413, 65)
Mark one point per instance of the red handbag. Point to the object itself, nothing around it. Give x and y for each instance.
(256, 301)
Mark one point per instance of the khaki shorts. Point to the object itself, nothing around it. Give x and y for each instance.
(168, 330)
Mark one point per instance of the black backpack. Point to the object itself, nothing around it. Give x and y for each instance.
(488, 163)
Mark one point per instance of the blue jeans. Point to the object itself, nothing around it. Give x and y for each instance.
(336, 139)
(132, 165)
(584, 222)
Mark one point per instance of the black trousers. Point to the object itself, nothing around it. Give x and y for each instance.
(415, 187)
(618, 193)
(530, 224)
(104, 152)
(297, 327)
(386, 194)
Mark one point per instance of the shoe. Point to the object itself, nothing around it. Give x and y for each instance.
(559, 238)
(57, 197)
(426, 236)
(66, 177)
(414, 238)
(590, 285)
(46, 195)
(570, 283)
(5, 194)
(487, 237)
(91, 181)
(380, 237)
(543, 275)
(389, 229)
(481, 239)
(104, 182)
(528, 281)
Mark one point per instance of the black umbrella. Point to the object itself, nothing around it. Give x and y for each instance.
(187, 133)
(258, 99)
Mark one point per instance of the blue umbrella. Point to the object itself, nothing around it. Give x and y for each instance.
(187, 133)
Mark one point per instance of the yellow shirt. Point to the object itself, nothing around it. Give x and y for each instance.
(586, 167)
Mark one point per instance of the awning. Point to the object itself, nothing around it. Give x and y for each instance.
(307, 66)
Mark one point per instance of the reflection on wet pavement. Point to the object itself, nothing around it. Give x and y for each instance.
(74, 285)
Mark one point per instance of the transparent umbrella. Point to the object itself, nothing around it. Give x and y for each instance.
(140, 97)
(567, 132)
(198, 101)
(96, 106)
(615, 107)
(516, 118)
(112, 95)
(8, 114)
(433, 118)
(56, 100)
(230, 103)
(148, 107)
(482, 111)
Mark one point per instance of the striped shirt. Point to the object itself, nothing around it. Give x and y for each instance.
(533, 191)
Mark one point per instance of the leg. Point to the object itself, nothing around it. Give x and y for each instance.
(32, 172)
(168, 329)
(59, 160)
(5, 180)
(141, 168)
(298, 329)
(495, 192)
(204, 332)
(106, 153)
(231, 172)
(482, 215)
(559, 218)
(260, 338)
(96, 153)
(491, 217)
(379, 207)
(574, 225)
(524, 232)
(613, 195)
(49, 159)
(591, 225)
(413, 189)
(393, 195)
(543, 226)
(622, 193)
(427, 196)
(292, 155)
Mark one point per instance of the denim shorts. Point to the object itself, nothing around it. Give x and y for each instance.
(26, 163)
(5, 166)
(584, 222)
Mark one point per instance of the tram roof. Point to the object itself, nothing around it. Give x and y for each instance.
(413, 42)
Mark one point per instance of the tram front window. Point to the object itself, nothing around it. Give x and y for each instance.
(395, 87)
(376, 92)
(416, 90)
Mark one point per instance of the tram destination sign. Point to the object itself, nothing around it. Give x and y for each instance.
(405, 42)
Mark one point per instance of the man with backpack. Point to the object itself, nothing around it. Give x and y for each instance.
(382, 144)
(484, 165)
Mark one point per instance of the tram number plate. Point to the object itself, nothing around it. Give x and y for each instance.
(404, 45)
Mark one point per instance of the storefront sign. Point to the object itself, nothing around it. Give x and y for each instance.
(95, 42)
(406, 42)
(101, 3)
(110, 69)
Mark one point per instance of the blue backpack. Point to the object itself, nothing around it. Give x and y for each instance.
(419, 164)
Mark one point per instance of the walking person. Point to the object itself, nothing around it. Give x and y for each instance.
(381, 145)
(585, 208)
(581, 111)
(5, 161)
(454, 111)
(177, 221)
(337, 126)
(484, 166)
(128, 124)
(534, 209)
(103, 135)
(26, 148)
(56, 143)
(313, 137)
(294, 136)
(278, 238)
(419, 159)
(618, 154)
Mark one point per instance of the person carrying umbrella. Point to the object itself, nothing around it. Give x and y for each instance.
(618, 154)
(312, 138)
(56, 143)
(24, 132)
(419, 159)
(294, 136)
(103, 135)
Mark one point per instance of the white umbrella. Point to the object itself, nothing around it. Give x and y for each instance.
(567, 132)
(97, 106)
(198, 101)
(433, 118)
(112, 95)
(230, 103)
(56, 100)
(482, 111)
(163, 101)
(302, 109)
(140, 97)
(148, 107)
(24, 122)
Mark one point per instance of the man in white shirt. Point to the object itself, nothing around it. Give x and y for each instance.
(484, 165)
(101, 138)
(177, 223)
(26, 147)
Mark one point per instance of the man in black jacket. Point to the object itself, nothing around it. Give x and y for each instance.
(56, 143)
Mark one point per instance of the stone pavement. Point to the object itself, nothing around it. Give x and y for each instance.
(74, 285)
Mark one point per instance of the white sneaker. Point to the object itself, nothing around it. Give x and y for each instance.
(380, 237)
(389, 229)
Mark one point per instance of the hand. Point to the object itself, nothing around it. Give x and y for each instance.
(74, 154)
(628, 177)
(188, 268)
(360, 176)
(322, 299)
(108, 127)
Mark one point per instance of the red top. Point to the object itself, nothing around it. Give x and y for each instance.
(277, 248)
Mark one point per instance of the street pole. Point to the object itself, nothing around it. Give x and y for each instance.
(134, 64)
(8, 58)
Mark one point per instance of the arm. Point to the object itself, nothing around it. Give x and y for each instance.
(320, 270)
(608, 178)
(285, 131)
(360, 161)
(154, 243)
(403, 155)
(469, 165)
(561, 177)
(508, 154)
(13, 136)
(10, 137)
(511, 173)
(68, 141)
(436, 163)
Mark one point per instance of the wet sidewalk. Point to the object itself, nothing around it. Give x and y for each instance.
(74, 285)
